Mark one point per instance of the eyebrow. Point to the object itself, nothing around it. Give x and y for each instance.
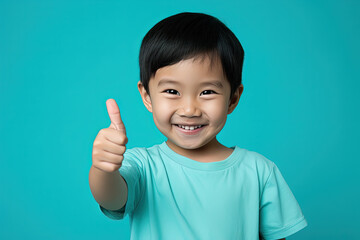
(215, 83)
(167, 81)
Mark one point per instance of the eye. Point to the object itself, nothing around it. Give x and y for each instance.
(172, 91)
(207, 92)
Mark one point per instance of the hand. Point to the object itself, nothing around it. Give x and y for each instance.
(109, 145)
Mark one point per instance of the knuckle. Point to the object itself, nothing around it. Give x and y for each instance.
(123, 139)
(99, 140)
(119, 159)
(100, 133)
(104, 132)
(95, 153)
(96, 143)
(121, 149)
(116, 160)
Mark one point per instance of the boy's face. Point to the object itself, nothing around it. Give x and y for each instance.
(190, 102)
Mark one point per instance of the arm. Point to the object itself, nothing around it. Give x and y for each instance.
(107, 185)
(108, 188)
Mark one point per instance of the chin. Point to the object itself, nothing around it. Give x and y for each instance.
(191, 147)
(188, 146)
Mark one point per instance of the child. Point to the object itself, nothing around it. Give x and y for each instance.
(191, 186)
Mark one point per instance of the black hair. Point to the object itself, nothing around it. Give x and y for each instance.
(187, 35)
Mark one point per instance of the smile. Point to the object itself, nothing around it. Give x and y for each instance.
(190, 130)
(187, 127)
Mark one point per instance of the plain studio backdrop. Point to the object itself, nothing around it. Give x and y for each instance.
(61, 60)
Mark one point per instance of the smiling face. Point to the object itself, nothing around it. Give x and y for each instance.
(190, 101)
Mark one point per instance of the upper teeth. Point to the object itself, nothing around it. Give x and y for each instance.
(189, 127)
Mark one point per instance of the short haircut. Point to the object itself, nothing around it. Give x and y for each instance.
(187, 35)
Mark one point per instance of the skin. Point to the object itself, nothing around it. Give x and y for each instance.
(198, 94)
(108, 187)
(192, 92)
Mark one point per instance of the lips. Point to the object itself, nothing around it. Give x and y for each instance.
(190, 129)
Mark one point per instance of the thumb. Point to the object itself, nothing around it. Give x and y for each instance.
(114, 114)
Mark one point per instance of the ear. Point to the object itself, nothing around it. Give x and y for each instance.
(145, 96)
(235, 99)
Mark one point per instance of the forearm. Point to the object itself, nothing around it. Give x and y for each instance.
(108, 189)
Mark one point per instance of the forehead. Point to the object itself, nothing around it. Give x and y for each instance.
(210, 60)
(200, 67)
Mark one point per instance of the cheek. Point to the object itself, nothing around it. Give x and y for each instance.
(217, 112)
(162, 110)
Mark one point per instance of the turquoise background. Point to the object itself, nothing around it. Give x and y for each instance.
(61, 60)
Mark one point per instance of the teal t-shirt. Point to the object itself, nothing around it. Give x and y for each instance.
(174, 197)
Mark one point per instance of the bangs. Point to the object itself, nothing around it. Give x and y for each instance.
(190, 35)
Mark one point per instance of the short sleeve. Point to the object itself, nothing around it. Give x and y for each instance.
(280, 213)
(132, 172)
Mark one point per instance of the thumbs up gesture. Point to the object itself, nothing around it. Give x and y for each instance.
(109, 145)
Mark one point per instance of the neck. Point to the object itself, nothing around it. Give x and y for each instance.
(210, 152)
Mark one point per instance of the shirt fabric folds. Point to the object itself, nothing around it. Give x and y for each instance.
(174, 197)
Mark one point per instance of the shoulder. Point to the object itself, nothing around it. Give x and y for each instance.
(256, 159)
(258, 163)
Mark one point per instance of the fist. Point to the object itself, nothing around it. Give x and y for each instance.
(109, 144)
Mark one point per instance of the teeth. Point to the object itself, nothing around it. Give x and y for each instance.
(189, 127)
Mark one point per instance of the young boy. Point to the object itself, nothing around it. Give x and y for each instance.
(190, 186)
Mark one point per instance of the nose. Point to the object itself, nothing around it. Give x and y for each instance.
(189, 108)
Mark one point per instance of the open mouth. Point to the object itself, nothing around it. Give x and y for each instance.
(190, 129)
(187, 127)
